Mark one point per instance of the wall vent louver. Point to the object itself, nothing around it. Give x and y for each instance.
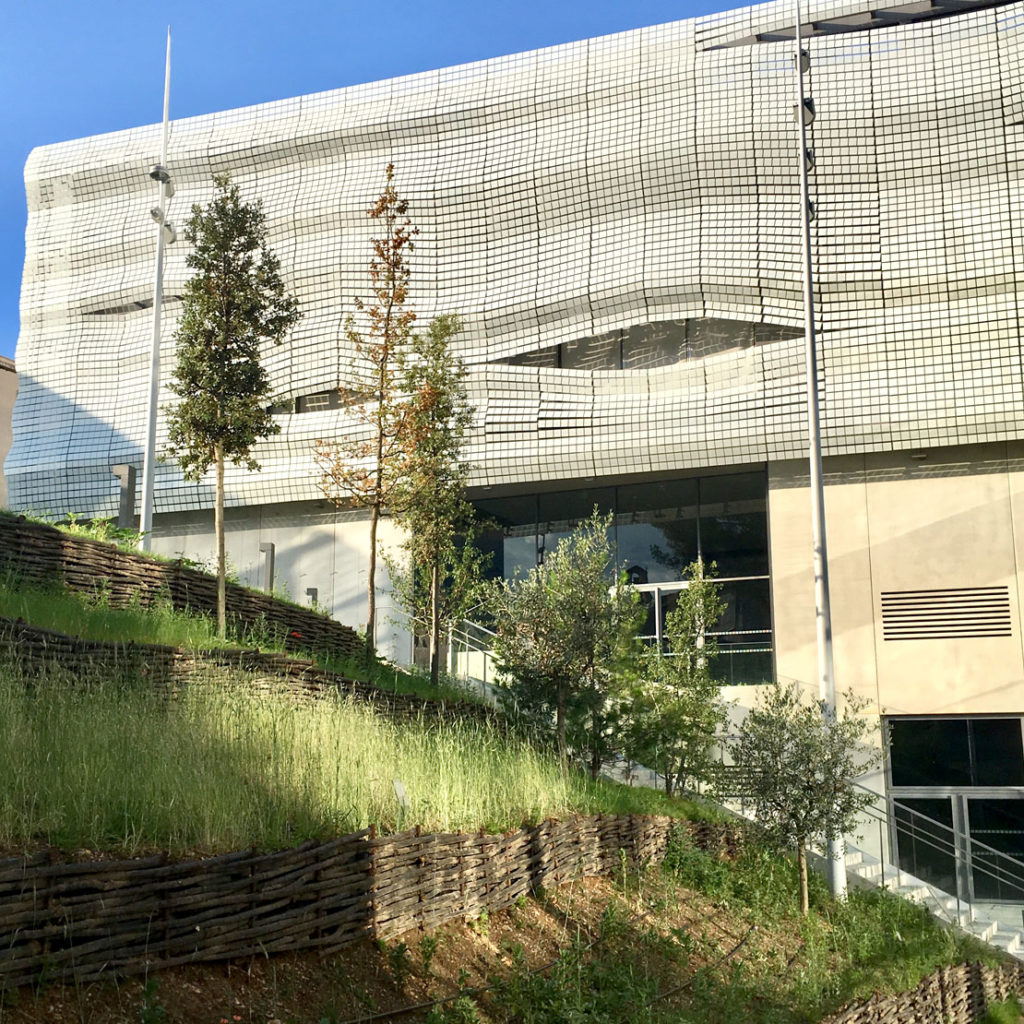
(946, 614)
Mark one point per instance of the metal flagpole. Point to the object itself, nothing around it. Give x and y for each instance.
(822, 611)
(163, 233)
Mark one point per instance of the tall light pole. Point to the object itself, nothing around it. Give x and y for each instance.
(164, 235)
(822, 611)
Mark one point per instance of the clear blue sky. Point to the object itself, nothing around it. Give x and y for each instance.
(69, 70)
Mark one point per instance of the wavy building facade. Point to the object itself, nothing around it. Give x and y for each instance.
(617, 222)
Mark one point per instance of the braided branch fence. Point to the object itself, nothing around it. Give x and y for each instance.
(43, 555)
(952, 995)
(33, 652)
(65, 921)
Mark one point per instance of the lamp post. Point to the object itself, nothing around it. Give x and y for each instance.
(164, 235)
(822, 610)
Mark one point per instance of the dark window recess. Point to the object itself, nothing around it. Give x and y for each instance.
(924, 840)
(946, 614)
(129, 307)
(998, 824)
(648, 346)
(866, 20)
(953, 752)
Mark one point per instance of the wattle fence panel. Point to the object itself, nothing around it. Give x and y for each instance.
(70, 920)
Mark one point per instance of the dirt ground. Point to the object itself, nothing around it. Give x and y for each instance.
(366, 982)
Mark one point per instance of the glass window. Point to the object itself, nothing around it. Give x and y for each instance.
(656, 528)
(956, 752)
(924, 840)
(734, 524)
(929, 752)
(998, 753)
(998, 824)
(560, 512)
(516, 518)
(748, 612)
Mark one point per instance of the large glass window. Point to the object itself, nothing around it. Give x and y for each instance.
(956, 752)
(659, 529)
(957, 792)
(656, 529)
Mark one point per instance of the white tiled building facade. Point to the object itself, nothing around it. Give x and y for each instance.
(617, 222)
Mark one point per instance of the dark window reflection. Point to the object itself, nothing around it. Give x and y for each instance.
(924, 840)
(748, 609)
(929, 753)
(998, 754)
(560, 512)
(998, 824)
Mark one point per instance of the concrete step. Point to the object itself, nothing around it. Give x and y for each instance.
(988, 924)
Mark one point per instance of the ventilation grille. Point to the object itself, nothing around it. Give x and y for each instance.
(945, 614)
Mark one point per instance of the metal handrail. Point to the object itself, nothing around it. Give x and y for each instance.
(958, 839)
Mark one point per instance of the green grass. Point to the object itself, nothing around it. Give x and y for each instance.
(103, 766)
(660, 955)
(92, 618)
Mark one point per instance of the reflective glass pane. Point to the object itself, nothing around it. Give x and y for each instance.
(519, 556)
(998, 756)
(747, 619)
(514, 518)
(997, 873)
(560, 512)
(648, 627)
(933, 752)
(734, 523)
(656, 528)
(742, 667)
(924, 840)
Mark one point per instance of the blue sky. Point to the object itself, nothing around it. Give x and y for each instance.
(69, 70)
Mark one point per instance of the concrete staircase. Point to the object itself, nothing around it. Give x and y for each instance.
(999, 926)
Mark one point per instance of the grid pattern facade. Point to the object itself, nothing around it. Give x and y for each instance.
(636, 179)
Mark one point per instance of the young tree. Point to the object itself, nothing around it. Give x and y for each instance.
(363, 470)
(675, 704)
(441, 578)
(233, 302)
(801, 761)
(564, 634)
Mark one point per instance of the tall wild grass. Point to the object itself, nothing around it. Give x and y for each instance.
(92, 617)
(102, 766)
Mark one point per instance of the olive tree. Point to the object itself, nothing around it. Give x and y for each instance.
(801, 760)
(565, 634)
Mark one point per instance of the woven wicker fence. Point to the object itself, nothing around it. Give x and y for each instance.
(31, 651)
(67, 921)
(952, 995)
(43, 555)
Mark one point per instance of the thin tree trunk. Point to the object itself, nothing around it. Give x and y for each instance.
(595, 753)
(371, 589)
(435, 622)
(218, 528)
(563, 754)
(801, 860)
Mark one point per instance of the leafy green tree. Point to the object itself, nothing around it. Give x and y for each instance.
(565, 634)
(363, 470)
(675, 706)
(234, 302)
(801, 761)
(442, 575)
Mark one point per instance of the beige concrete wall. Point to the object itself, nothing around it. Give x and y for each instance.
(312, 548)
(954, 518)
(8, 393)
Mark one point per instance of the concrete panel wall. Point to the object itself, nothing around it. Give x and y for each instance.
(948, 519)
(313, 547)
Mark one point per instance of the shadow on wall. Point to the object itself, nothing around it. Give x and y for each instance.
(61, 456)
